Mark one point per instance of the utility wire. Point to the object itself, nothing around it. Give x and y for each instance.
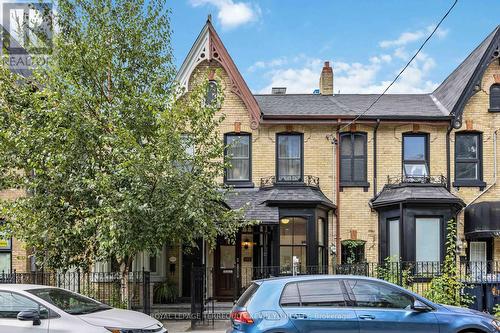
(401, 72)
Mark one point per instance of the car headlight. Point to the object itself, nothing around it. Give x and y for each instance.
(496, 324)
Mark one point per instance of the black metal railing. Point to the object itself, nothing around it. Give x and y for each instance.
(106, 287)
(403, 179)
(271, 181)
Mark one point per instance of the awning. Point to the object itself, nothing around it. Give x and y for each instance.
(482, 219)
(415, 193)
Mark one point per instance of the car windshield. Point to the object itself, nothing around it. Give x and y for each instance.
(68, 301)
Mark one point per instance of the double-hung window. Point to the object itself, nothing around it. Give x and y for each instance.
(468, 159)
(415, 157)
(289, 158)
(238, 155)
(353, 159)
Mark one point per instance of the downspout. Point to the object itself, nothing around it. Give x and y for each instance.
(375, 158)
(448, 173)
(337, 181)
(494, 171)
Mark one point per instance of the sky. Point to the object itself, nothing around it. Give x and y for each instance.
(285, 42)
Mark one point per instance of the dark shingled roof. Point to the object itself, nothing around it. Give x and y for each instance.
(441, 104)
(252, 200)
(402, 105)
(417, 193)
(302, 194)
(261, 204)
(454, 85)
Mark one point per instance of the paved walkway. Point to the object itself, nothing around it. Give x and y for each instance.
(185, 326)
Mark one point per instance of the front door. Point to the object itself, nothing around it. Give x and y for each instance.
(224, 270)
(381, 308)
(478, 258)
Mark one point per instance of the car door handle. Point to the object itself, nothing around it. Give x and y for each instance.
(299, 316)
(367, 317)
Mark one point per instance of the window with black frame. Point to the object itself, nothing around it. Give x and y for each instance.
(495, 97)
(293, 244)
(353, 159)
(238, 155)
(289, 158)
(415, 157)
(468, 159)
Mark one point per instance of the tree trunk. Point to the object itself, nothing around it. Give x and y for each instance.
(124, 280)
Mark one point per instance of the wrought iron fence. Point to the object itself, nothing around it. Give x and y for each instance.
(106, 287)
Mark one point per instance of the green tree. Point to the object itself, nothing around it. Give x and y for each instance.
(103, 146)
(447, 288)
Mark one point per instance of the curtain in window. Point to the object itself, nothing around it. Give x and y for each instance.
(415, 164)
(289, 157)
(238, 154)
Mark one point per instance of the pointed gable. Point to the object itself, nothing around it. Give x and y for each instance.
(460, 85)
(209, 47)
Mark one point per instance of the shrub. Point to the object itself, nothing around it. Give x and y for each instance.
(447, 287)
(395, 272)
(165, 292)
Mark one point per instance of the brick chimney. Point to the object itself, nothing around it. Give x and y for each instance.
(326, 80)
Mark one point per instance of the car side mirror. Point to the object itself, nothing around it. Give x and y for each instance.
(420, 306)
(29, 315)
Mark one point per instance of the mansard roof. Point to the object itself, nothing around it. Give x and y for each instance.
(209, 47)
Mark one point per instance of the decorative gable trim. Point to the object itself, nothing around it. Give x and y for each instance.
(474, 85)
(208, 46)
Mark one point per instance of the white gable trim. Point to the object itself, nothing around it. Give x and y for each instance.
(199, 52)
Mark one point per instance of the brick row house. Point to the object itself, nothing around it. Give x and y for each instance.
(325, 189)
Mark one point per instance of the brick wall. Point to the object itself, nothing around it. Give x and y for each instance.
(20, 259)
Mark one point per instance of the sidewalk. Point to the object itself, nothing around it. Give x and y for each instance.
(178, 326)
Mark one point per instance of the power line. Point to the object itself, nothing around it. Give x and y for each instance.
(401, 72)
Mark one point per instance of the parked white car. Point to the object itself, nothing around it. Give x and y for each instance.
(35, 309)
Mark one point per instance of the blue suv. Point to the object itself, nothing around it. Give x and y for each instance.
(351, 304)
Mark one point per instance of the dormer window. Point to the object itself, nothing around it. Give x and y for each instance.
(495, 97)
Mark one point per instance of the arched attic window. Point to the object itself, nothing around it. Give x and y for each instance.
(495, 97)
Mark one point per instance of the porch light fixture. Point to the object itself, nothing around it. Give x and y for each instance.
(246, 244)
(285, 221)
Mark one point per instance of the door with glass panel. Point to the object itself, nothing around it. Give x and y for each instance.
(478, 260)
(224, 269)
(293, 245)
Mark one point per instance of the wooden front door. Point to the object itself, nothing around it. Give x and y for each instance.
(224, 270)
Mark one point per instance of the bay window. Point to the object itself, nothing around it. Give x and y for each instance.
(394, 240)
(293, 245)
